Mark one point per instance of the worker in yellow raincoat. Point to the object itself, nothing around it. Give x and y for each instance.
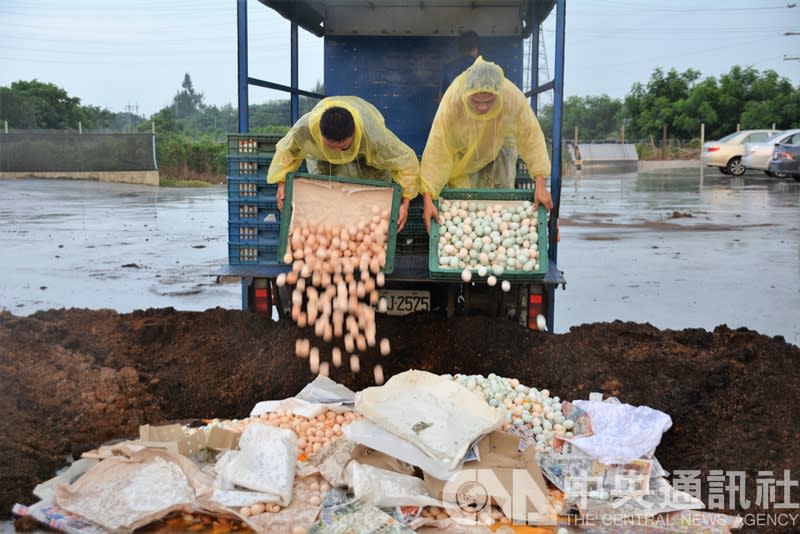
(346, 136)
(483, 124)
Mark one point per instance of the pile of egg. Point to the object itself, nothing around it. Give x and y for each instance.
(488, 237)
(336, 273)
(523, 405)
(312, 433)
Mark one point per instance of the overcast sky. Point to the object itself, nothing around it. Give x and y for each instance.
(133, 54)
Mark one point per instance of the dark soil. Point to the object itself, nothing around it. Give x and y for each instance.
(73, 379)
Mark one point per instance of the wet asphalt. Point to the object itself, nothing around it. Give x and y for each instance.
(685, 248)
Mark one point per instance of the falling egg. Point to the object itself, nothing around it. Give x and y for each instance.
(377, 373)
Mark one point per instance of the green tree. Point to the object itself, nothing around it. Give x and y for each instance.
(772, 100)
(662, 102)
(187, 101)
(34, 104)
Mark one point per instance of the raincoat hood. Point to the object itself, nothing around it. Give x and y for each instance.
(338, 157)
(482, 77)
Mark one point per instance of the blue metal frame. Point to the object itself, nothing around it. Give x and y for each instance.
(241, 33)
(555, 172)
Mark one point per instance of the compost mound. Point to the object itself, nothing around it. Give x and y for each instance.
(74, 379)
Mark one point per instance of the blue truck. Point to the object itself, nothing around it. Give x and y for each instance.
(390, 53)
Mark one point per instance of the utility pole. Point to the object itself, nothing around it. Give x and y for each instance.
(129, 110)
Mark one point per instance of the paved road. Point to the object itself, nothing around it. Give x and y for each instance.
(677, 249)
(682, 249)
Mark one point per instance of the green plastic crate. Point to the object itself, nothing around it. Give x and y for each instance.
(287, 210)
(488, 195)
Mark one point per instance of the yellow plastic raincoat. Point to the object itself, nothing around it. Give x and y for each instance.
(463, 144)
(373, 146)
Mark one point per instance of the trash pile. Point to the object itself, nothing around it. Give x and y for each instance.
(422, 452)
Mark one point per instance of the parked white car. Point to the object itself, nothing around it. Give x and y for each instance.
(757, 155)
(726, 153)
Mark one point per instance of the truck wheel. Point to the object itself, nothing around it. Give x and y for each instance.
(735, 167)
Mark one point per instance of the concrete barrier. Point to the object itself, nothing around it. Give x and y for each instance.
(607, 157)
(645, 166)
(122, 177)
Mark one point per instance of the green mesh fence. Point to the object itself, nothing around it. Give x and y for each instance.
(73, 152)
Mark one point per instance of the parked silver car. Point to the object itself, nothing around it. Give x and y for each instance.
(757, 155)
(726, 153)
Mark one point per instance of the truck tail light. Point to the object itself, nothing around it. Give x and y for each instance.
(535, 309)
(262, 296)
(262, 300)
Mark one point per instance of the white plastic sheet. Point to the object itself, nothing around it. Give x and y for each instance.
(318, 396)
(264, 463)
(621, 432)
(324, 390)
(384, 488)
(439, 416)
(123, 493)
(373, 436)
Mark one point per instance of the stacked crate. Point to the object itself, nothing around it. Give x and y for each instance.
(254, 221)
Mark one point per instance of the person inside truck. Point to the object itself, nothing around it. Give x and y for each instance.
(346, 136)
(483, 124)
(468, 50)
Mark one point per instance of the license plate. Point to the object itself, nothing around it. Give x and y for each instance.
(403, 302)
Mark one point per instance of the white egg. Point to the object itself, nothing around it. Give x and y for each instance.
(506, 285)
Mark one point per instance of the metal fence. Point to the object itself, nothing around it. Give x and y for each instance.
(76, 152)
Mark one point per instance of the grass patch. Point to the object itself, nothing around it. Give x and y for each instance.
(164, 181)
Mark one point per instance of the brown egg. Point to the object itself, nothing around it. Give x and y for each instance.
(369, 334)
(377, 373)
(369, 287)
(349, 344)
(336, 357)
(312, 312)
(355, 363)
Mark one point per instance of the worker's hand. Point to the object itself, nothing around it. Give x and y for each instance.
(541, 195)
(280, 194)
(429, 211)
(402, 216)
